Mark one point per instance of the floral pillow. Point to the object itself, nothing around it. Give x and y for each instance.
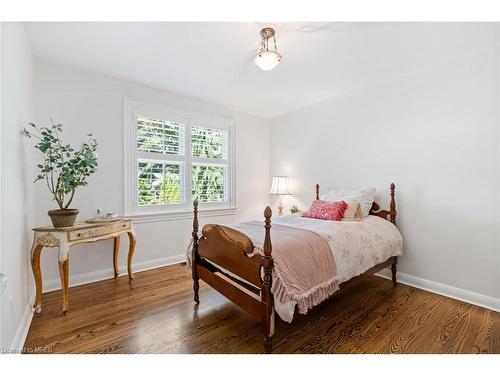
(325, 210)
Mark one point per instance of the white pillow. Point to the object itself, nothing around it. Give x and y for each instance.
(363, 196)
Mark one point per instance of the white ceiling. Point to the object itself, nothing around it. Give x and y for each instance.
(214, 61)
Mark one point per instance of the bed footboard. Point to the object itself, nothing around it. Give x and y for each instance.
(221, 249)
(230, 249)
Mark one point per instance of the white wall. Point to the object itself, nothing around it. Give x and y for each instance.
(17, 190)
(434, 132)
(84, 102)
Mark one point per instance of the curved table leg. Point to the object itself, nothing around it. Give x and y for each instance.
(131, 237)
(36, 249)
(64, 274)
(116, 250)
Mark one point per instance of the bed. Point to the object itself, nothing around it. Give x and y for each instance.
(301, 264)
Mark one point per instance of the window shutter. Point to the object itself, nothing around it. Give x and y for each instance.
(209, 143)
(210, 164)
(159, 136)
(160, 182)
(209, 183)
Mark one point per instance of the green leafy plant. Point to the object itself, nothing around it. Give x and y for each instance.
(64, 169)
(294, 209)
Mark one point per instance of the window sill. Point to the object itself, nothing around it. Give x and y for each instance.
(182, 215)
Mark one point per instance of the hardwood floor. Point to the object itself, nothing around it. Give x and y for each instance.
(156, 314)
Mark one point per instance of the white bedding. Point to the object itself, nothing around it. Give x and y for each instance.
(357, 246)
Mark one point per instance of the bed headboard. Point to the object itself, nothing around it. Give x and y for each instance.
(375, 210)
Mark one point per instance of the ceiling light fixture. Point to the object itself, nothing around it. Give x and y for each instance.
(266, 59)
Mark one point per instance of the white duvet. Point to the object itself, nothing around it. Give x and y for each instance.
(357, 246)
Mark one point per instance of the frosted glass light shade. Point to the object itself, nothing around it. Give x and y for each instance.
(267, 60)
(279, 186)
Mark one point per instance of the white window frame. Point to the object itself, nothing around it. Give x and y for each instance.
(134, 109)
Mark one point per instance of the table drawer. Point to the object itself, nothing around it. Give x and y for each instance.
(98, 231)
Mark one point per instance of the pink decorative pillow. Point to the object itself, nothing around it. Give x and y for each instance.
(325, 210)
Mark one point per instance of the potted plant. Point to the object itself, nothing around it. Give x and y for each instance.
(63, 169)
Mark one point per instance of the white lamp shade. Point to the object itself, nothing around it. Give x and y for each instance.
(267, 60)
(279, 186)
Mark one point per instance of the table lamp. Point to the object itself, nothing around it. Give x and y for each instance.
(279, 187)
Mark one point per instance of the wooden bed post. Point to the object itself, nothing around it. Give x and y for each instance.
(195, 256)
(394, 269)
(267, 297)
(317, 191)
(392, 214)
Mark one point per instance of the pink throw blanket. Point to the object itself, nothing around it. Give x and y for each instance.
(304, 267)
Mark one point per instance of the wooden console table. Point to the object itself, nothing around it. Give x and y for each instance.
(64, 238)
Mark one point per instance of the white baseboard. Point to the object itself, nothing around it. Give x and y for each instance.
(90, 277)
(445, 290)
(17, 343)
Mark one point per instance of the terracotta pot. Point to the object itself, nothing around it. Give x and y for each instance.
(63, 218)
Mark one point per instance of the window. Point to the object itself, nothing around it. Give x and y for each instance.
(174, 158)
(210, 164)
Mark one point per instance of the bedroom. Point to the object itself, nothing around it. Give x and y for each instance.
(375, 146)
